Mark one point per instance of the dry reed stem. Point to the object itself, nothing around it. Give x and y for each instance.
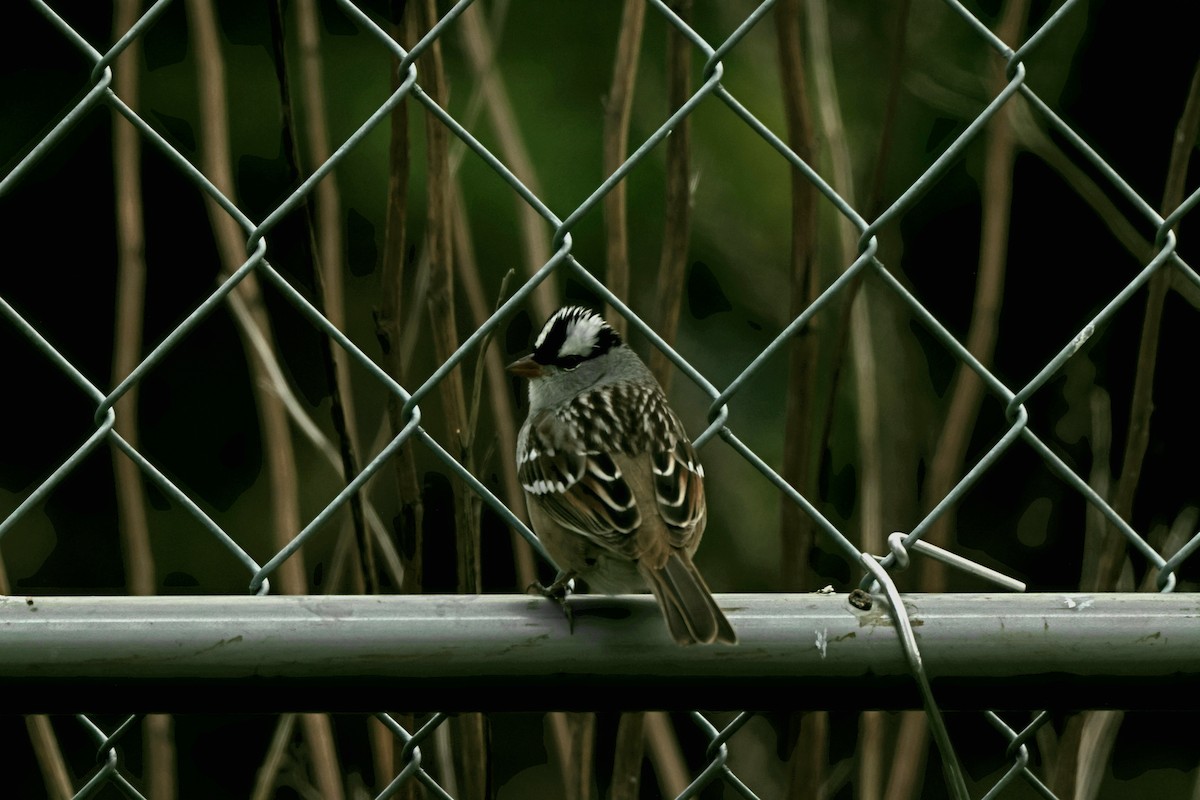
(388, 324)
(325, 237)
(856, 329)
(1112, 558)
(503, 412)
(665, 754)
(42, 738)
(966, 394)
(797, 531)
(672, 264)
(140, 575)
(131, 293)
(277, 445)
(872, 738)
(579, 775)
(658, 730)
(627, 760)
(862, 338)
(264, 779)
(439, 246)
(49, 757)
(808, 762)
(476, 40)
(471, 755)
(873, 725)
(1099, 730)
(306, 426)
(1088, 743)
(618, 105)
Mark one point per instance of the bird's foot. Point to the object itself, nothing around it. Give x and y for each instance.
(559, 591)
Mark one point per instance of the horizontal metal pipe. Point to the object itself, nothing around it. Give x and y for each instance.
(508, 652)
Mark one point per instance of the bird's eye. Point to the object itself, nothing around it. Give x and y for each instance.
(570, 362)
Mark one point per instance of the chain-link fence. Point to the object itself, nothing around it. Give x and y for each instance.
(433, 490)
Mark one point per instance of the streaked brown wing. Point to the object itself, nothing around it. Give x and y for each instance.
(679, 486)
(581, 490)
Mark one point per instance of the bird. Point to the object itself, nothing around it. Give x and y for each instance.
(613, 486)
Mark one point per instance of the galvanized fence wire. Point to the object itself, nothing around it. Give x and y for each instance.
(877, 569)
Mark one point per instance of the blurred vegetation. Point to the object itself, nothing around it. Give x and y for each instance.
(903, 82)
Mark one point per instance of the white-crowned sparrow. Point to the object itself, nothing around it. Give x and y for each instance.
(615, 490)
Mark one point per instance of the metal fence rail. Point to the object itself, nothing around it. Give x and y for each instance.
(503, 653)
(932, 652)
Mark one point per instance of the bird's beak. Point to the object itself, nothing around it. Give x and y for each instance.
(526, 368)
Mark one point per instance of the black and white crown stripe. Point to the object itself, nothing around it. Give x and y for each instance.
(574, 333)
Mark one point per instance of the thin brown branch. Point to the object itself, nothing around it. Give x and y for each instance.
(42, 737)
(1062, 765)
(140, 574)
(49, 757)
(503, 413)
(470, 754)
(383, 758)
(1033, 138)
(476, 39)
(808, 760)
(617, 111)
(1100, 728)
(443, 326)
(797, 531)
(1047, 744)
(1093, 735)
(665, 754)
(796, 528)
(861, 330)
(627, 761)
(469, 272)
(1113, 556)
(558, 729)
(489, 94)
(873, 725)
(388, 323)
(672, 263)
(325, 247)
(872, 735)
(328, 203)
(322, 753)
(618, 105)
(1099, 479)
(268, 772)
(158, 750)
(131, 294)
(856, 337)
(216, 162)
(874, 204)
(966, 395)
(908, 766)
(304, 424)
(579, 782)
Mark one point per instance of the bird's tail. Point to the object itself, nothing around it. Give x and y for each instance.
(688, 606)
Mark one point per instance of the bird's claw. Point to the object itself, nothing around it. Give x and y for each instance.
(559, 591)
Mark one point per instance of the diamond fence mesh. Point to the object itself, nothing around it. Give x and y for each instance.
(834, 366)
